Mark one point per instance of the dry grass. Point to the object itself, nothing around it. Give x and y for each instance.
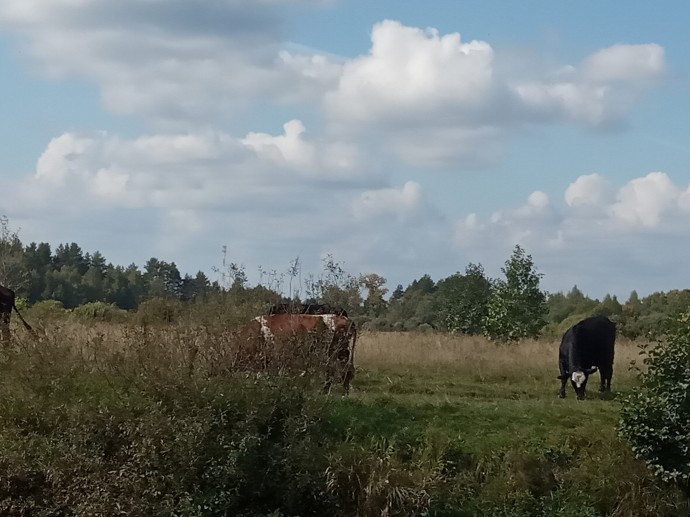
(426, 358)
(473, 355)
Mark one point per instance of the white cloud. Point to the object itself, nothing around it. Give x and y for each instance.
(597, 239)
(624, 63)
(177, 193)
(408, 71)
(418, 98)
(326, 159)
(436, 100)
(289, 148)
(425, 98)
(644, 201)
(600, 91)
(590, 190)
(650, 202)
(170, 61)
(390, 201)
(202, 170)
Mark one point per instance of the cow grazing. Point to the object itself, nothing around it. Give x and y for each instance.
(327, 338)
(586, 346)
(7, 303)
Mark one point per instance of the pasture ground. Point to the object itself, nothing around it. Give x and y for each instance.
(497, 404)
(100, 418)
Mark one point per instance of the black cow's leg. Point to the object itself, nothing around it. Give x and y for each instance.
(606, 373)
(4, 328)
(561, 392)
(608, 380)
(564, 378)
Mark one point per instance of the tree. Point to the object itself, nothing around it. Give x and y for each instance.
(424, 285)
(93, 285)
(38, 260)
(334, 287)
(610, 306)
(374, 304)
(70, 255)
(398, 293)
(517, 307)
(197, 286)
(13, 273)
(462, 300)
(162, 279)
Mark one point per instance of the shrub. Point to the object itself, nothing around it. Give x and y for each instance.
(48, 309)
(159, 311)
(655, 418)
(99, 311)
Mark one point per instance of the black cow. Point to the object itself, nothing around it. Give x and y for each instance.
(586, 346)
(7, 303)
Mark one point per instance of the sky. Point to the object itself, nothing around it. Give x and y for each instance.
(401, 138)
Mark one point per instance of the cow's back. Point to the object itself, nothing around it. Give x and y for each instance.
(595, 337)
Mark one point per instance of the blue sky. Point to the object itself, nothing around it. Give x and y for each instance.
(403, 138)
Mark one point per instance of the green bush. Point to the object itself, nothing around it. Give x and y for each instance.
(159, 311)
(99, 311)
(240, 449)
(47, 309)
(655, 418)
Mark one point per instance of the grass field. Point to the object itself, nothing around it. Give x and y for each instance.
(95, 419)
(499, 405)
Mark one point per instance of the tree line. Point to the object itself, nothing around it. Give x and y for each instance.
(469, 302)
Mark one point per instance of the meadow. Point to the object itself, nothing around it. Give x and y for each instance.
(106, 419)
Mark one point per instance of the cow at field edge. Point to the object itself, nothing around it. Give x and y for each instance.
(333, 335)
(586, 346)
(7, 303)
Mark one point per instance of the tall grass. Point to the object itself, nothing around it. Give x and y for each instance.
(105, 419)
(467, 355)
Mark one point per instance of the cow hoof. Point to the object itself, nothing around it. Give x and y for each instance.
(561, 395)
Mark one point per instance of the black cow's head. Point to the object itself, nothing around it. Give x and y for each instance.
(578, 379)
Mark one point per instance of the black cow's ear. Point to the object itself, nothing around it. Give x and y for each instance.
(562, 377)
(591, 370)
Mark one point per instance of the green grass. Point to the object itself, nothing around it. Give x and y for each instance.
(532, 446)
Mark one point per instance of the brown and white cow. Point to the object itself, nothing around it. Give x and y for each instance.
(7, 303)
(323, 340)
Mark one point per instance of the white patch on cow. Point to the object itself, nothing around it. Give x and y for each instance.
(329, 321)
(578, 378)
(265, 329)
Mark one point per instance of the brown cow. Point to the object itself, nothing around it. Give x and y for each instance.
(7, 303)
(327, 338)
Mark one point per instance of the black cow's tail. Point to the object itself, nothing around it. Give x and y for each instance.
(26, 325)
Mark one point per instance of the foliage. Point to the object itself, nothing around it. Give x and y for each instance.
(457, 303)
(99, 311)
(13, 272)
(159, 311)
(335, 287)
(47, 309)
(655, 418)
(462, 301)
(374, 304)
(517, 307)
